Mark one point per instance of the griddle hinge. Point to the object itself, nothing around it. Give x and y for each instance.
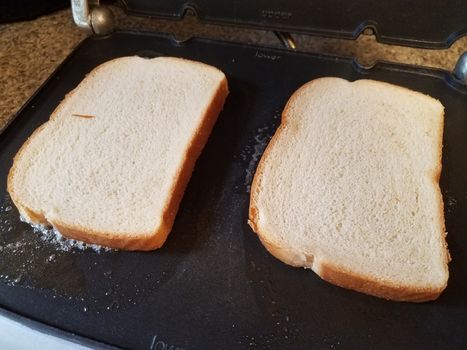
(91, 16)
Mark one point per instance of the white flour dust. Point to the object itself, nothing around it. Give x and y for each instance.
(53, 236)
(253, 152)
(261, 141)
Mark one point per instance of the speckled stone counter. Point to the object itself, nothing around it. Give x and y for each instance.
(30, 51)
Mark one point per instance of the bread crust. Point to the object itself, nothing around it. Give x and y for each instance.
(342, 277)
(327, 270)
(141, 241)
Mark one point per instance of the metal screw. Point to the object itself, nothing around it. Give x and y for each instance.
(102, 20)
(460, 71)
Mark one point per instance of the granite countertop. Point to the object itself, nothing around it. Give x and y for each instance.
(30, 51)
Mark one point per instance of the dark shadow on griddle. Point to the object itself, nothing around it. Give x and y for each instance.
(206, 185)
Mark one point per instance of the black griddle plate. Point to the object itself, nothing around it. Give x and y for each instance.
(428, 23)
(213, 285)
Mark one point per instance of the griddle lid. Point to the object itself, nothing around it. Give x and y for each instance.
(427, 23)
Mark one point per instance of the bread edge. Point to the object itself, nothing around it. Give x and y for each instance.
(143, 241)
(344, 278)
(326, 270)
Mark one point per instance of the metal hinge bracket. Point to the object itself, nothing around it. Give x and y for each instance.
(286, 39)
(91, 16)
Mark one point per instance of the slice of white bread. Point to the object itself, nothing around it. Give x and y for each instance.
(112, 163)
(348, 186)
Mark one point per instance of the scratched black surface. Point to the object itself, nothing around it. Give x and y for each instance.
(213, 285)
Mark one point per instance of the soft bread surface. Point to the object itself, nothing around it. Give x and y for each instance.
(112, 163)
(348, 186)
